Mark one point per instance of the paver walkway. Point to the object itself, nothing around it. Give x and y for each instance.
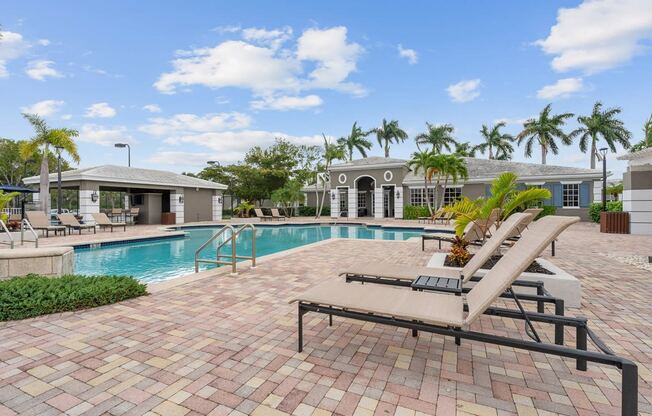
(227, 346)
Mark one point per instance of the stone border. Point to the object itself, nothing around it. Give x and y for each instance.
(49, 261)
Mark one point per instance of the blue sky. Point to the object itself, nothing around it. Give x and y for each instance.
(186, 83)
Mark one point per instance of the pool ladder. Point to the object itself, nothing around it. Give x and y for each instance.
(221, 259)
(24, 224)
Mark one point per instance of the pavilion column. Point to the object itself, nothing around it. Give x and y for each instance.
(176, 205)
(126, 201)
(335, 203)
(89, 200)
(218, 202)
(398, 202)
(353, 203)
(378, 203)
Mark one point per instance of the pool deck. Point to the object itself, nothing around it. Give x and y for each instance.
(226, 345)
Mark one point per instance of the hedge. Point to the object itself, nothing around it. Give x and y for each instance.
(310, 211)
(33, 295)
(547, 210)
(596, 208)
(413, 212)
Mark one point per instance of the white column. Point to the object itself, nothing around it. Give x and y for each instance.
(398, 202)
(353, 203)
(335, 203)
(597, 191)
(126, 201)
(176, 205)
(86, 204)
(378, 203)
(218, 203)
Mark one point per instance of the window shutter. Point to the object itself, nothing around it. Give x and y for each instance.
(585, 191)
(547, 186)
(487, 190)
(557, 194)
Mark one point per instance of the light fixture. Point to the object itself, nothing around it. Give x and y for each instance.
(333, 196)
(181, 199)
(219, 200)
(398, 194)
(94, 196)
(122, 146)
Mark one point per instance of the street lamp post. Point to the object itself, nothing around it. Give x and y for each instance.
(603, 151)
(59, 195)
(123, 145)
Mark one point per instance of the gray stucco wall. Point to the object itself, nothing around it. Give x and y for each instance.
(398, 174)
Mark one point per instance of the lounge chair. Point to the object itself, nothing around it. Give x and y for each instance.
(277, 215)
(446, 218)
(263, 217)
(475, 232)
(39, 221)
(431, 218)
(71, 222)
(452, 316)
(523, 226)
(104, 222)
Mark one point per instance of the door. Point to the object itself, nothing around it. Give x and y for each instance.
(344, 203)
(388, 202)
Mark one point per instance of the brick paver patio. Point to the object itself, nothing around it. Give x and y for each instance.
(226, 345)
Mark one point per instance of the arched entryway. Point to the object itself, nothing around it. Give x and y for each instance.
(365, 186)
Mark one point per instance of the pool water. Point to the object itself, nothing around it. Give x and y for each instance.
(163, 259)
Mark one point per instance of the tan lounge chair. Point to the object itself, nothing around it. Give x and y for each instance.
(263, 217)
(523, 226)
(452, 316)
(432, 218)
(277, 215)
(104, 222)
(473, 232)
(71, 222)
(40, 221)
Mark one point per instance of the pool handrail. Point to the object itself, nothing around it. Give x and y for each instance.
(24, 223)
(233, 257)
(4, 229)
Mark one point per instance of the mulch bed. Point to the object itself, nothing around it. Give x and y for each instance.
(489, 264)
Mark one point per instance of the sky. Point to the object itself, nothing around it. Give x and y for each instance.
(188, 82)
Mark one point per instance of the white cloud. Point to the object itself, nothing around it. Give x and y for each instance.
(41, 69)
(272, 38)
(561, 89)
(464, 91)
(43, 108)
(12, 46)
(409, 54)
(511, 121)
(192, 123)
(66, 117)
(598, 34)
(104, 136)
(285, 103)
(152, 108)
(100, 110)
(43, 42)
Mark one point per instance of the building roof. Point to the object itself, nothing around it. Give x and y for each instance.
(129, 175)
(369, 162)
(643, 153)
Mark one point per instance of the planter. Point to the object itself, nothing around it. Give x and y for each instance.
(168, 218)
(560, 284)
(614, 222)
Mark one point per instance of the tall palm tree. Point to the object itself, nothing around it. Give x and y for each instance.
(544, 130)
(496, 143)
(387, 133)
(61, 138)
(447, 167)
(332, 152)
(439, 137)
(356, 140)
(647, 137)
(464, 149)
(423, 161)
(605, 124)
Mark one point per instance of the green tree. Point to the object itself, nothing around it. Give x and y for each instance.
(388, 133)
(13, 168)
(647, 137)
(615, 190)
(447, 168)
(544, 130)
(355, 140)
(423, 161)
(45, 138)
(438, 137)
(498, 145)
(601, 124)
(287, 196)
(332, 152)
(5, 199)
(464, 149)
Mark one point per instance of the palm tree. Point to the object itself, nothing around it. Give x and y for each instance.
(389, 133)
(647, 137)
(601, 123)
(423, 161)
(437, 136)
(449, 167)
(61, 138)
(497, 144)
(355, 140)
(544, 130)
(464, 149)
(332, 152)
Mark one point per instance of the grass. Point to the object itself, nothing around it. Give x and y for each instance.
(33, 295)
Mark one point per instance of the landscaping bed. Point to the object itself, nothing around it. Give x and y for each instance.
(33, 295)
(489, 264)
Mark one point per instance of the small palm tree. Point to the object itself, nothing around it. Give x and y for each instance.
(615, 190)
(5, 199)
(45, 138)
(356, 140)
(544, 130)
(498, 145)
(449, 168)
(388, 133)
(647, 137)
(464, 149)
(439, 137)
(332, 152)
(423, 161)
(601, 123)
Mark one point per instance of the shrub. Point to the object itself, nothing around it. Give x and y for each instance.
(459, 255)
(308, 211)
(33, 295)
(596, 208)
(412, 212)
(547, 210)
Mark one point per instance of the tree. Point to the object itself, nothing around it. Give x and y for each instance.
(647, 137)
(439, 137)
(464, 149)
(44, 139)
(287, 196)
(498, 145)
(13, 168)
(601, 123)
(615, 190)
(423, 161)
(449, 168)
(388, 133)
(332, 152)
(5, 199)
(356, 140)
(544, 130)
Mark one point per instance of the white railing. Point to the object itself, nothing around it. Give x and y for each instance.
(24, 224)
(4, 230)
(12, 211)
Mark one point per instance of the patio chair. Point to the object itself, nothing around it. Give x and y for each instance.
(40, 221)
(71, 222)
(277, 215)
(263, 217)
(523, 226)
(446, 218)
(431, 218)
(116, 212)
(104, 222)
(475, 232)
(453, 316)
(134, 214)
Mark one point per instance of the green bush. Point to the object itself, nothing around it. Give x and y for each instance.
(412, 212)
(547, 210)
(596, 208)
(33, 295)
(309, 211)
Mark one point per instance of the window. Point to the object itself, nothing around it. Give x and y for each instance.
(416, 196)
(362, 200)
(571, 195)
(451, 195)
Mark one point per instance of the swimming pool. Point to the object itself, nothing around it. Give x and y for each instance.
(163, 259)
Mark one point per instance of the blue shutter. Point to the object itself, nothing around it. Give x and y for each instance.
(487, 190)
(521, 186)
(547, 186)
(557, 194)
(585, 191)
